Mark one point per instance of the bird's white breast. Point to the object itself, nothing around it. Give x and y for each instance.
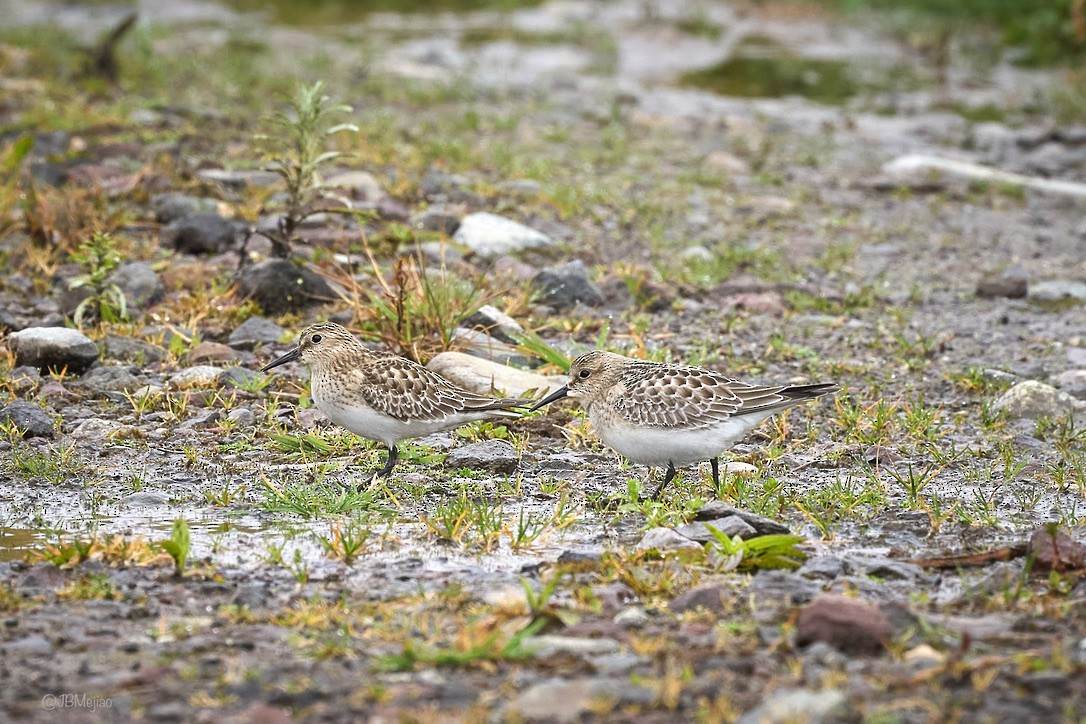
(680, 446)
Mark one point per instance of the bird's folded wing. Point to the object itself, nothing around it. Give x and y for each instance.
(686, 397)
(405, 390)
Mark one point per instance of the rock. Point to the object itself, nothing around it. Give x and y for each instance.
(716, 509)
(726, 162)
(496, 323)
(435, 253)
(30, 419)
(439, 218)
(211, 352)
(543, 647)
(24, 379)
(199, 234)
(196, 376)
(239, 179)
(886, 568)
(1012, 284)
(1073, 382)
(825, 567)
(730, 526)
(240, 377)
(33, 645)
(135, 351)
(523, 187)
(849, 625)
(495, 455)
(242, 417)
(97, 429)
(1032, 399)
(766, 206)
(442, 187)
(778, 588)
(140, 284)
(480, 344)
(713, 597)
(565, 286)
(1077, 356)
(633, 617)
(783, 706)
(145, 499)
(108, 378)
(1055, 550)
(361, 185)
(563, 700)
(490, 236)
(490, 378)
(174, 206)
(53, 348)
(1056, 291)
(742, 470)
(255, 331)
(617, 664)
(666, 540)
(280, 286)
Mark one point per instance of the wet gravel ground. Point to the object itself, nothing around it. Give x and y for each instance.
(941, 493)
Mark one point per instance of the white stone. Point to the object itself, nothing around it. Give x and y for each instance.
(1032, 399)
(486, 377)
(665, 540)
(196, 376)
(491, 236)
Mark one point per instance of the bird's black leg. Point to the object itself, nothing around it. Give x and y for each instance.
(383, 472)
(390, 463)
(667, 479)
(715, 462)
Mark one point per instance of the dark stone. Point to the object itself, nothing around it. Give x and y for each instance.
(565, 286)
(716, 509)
(710, 596)
(239, 377)
(1055, 550)
(437, 218)
(849, 625)
(495, 455)
(29, 418)
(885, 568)
(827, 567)
(170, 207)
(128, 349)
(279, 286)
(1012, 284)
(199, 234)
(255, 331)
(139, 282)
(730, 526)
(782, 587)
(107, 378)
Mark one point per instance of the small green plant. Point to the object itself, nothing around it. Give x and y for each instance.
(11, 160)
(298, 152)
(346, 541)
(106, 301)
(490, 648)
(178, 545)
(767, 551)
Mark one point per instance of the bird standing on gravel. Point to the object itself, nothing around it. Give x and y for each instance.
(384, 397)
(655, 413)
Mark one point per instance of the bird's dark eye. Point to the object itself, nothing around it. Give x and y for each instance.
(315, 338)
(584, 373)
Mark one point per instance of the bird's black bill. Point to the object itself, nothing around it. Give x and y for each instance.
(288, 357)
(552, 397)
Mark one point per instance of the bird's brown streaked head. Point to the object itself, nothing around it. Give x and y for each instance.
(320, 344)
(590, 376)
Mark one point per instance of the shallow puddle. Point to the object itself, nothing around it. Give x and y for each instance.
(762, 68)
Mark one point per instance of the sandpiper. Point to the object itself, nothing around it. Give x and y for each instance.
(655, 413)
(384, 397)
